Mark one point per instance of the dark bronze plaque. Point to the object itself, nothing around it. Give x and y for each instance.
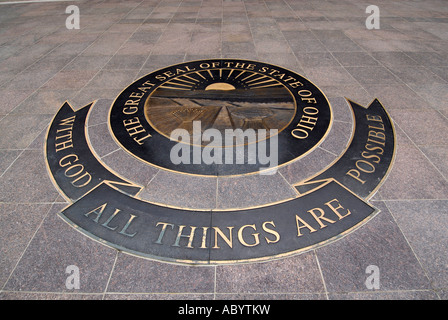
(219, 95)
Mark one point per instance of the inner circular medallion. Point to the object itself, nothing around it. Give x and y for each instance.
(245, 100)
(220, 117)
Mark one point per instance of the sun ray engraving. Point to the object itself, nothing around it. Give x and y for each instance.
(240, 74)
(186, 81)
(173, 88)
(277, 84)
(172, 82)
(253, 74)
(191, 78)
(256, 79)
(262, 82)
(199, 74)
(210, 73)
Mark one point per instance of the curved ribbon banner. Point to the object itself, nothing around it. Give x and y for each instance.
(369, 157)
(330, 205)
(72, 164)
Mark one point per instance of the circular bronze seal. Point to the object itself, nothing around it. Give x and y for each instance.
(220, 117)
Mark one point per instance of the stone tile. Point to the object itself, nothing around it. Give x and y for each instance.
(101, 140)
(236, 36)
(172, 43)
(266, 33)
(24, 59)
(377, 45)
(238, 47)
(330, 35)
(416, 75)
(133, 274)
(129, 167)
(429, 58)
(11, 99)
(99, 112)
(193, 192)
(340, 45)
(6, 77)
(442, 72)
(394, 295)
(341, 110)
(305, 168)
(44, 101)
(54, 247)
(285, 60)
(107, 44)
(272, 46)
(354, 92)
(338, 138)
(156, 62)
(317, 59)
(394, 59)
(412, 168)
(297, 274)
(293, 25)
(443, 294)
(372, 75)
(438, 155)
(132, 47)
(207, 27)
(18, 222)
(205, 43)
(39, 142)
(252, 190)
(193, 57)
(379, 242)
(30, 180)
(410, 45)
(159, 296)
(68, 50)
(235, 28)
(436, 94)
(124, 27)
(424, 225)
(106, 79)
(50, 63)
(298, 36)
(424, 127)
(70, 79)
(18, 131)
(397, 96)
(146, 36)
(125, 62)
(250, 55)
(270, 296)
(31, 80)
(90, 93)
(7, 157)
(301, 46)
(355, 59)
(87, 62)
(327, 76)
(13, 295)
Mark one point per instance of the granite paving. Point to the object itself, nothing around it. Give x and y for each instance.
(404, 64)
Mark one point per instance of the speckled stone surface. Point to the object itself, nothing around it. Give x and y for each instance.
(404, 64)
